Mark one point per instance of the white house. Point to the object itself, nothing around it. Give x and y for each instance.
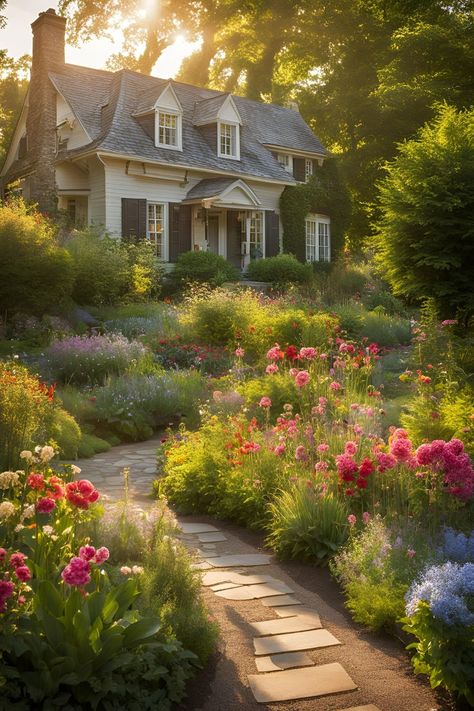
(187, 168)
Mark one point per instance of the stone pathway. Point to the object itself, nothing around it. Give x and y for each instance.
(283, 644)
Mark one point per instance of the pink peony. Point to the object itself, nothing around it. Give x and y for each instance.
(366, 517)
(23, 573)
(350, 448)
(17, 559)
(401, 449)
(300, 453)
(275, 353)
(323, 447)
(346, 467)
(454, 446)
(77, 572)
(308, 353)
(271, 369)
(239, 352)
(352, 520)
(86, 552)
(45, 505)
(335, 385)
(302, 378)
(385, 461)
(6, 591)
(321, 466)
(3, 555)
(424, 454)
(35, 481)
(102, 554)
(81, 493)
(279, 449)
(265, 402)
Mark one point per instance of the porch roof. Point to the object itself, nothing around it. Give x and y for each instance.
(223, 191)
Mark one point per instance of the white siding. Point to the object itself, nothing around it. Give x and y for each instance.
(268, 194)
(76, 136)
(20, 131)
(97, 213)
(71, 178)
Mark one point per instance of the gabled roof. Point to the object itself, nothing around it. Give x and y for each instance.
(106, 102)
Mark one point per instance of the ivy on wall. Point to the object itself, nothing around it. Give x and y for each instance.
(325, 193)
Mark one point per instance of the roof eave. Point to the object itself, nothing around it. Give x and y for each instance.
(297, 151)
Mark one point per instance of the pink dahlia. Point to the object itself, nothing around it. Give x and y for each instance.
(77, 572)
(45, 505)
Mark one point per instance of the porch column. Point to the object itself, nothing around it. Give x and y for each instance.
(246, 255)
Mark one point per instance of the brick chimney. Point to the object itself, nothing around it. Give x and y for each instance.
(48, 56)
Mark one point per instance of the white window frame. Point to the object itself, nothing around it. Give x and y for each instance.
(254, 218)
(164, 231)
(286, 162)
(235, 140)
(313, 232)
(308, 169)
(178, 146)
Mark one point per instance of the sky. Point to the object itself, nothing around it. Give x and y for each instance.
(16, 38)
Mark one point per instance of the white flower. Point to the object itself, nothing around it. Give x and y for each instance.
(28, 512)
(125, 570)
(8, 479)
(48, 530)
(26, 454)
(47, 453)
(7, 509)
(137, 570)
(75, 470)
(19, 528)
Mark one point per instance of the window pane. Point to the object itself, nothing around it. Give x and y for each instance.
(167, 129)
(323, 237)
(308, 168)
(256, 234)
(227, 139)
(311, 246)
(155, 234)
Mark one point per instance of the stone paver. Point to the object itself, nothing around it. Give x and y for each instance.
(278, 662)
(300, 683)
(294, 610)
(231, 561)
(367, 707)
(191, 528)
(294, 642)
(300, 623)
(212, 537)
(281, 601)
(254, 592)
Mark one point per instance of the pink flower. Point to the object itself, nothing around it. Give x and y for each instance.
(321, 466)
(323, 401)
(373, 349)
(350, 448)
(265, 402)
(401, 449)
(6, 591)
(323, 447)
(86, 552)
(275, 353)
(3, 555)
(279, 449)
(366, 517)
(355, 406)
(23, 573)
(239, 352)
(17, 559)
(411, 553)
(352, 519)
(81, 493)
(385, 461)
(358, 430)
(102, 554)
(454, 446)
(302, 378)
(424, 454)
(271, 369)
(45, 505)
(335, 385)
(308, 353)
(346, 467)
(323, 356)
(77, 572)
(449, 322)
(300, 453)
(35, 481)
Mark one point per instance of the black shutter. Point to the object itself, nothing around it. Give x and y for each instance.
(234, 239)
(272, 234)
(180, 230)
(299, 169)
(133, 219)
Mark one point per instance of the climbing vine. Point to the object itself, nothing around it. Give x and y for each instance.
(325, 193)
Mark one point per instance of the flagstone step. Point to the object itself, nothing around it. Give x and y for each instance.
(300, 623)
(196, 527)
(284, 600)
(233, 576)
(277, 662)
(231, 561)
(294, 642)
(212, 537)
(367, 707)
(300, 683)
(294, 610)
(254, 592)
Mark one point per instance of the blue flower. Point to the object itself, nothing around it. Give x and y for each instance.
(448, 589)
(457, 546)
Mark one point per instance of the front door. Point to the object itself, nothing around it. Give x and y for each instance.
(234, 239)
(213, 234)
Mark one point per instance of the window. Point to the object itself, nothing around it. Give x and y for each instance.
(318, 239)
(286, 161)
(308, 169)
(256, 234)
(228, 140)
(156, 227)
(168, 130)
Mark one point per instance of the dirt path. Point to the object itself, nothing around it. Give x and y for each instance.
(377, 665)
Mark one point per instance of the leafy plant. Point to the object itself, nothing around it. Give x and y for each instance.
(281, 270)
(203, 267)
(305, 524)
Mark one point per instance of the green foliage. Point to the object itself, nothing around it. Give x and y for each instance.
(90, 445)
(280, 388)
(376, 326)
(101, 274)
(444, 653)
(202, 267)
(325, 193)
(36, 272)
(427, 195)
(145, 271)
(306, 525)
(26, 412)
(66, 433)
(340, 281)
(172, 590)
(378, 606)
(281, 270)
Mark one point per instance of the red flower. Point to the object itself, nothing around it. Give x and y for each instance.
(45, 505)
(366, 468)
(291, 353)
(81, 493)
(55, 488)
(36, 481)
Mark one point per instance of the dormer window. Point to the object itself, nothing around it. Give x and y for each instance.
(308, 169)
(168, 129)
(228, 140)
(286, 162)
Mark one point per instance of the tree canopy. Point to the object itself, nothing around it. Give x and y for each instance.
(425, 235)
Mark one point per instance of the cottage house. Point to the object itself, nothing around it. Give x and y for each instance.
(187, 168)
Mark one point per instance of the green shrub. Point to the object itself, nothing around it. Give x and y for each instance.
(319, 328)
(303, 524)
(101, 269)
(280, 388)
(280, 270)
(37, 274)
(385, 329)
(66, 433)
(204, 267)
(91, 445)
(26, 412)
(145, 271)
(383, 297)
(376, 606)
(342, 281)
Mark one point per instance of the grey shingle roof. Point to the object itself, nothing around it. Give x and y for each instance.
(206, 110)
(209, 188)
(106, 101)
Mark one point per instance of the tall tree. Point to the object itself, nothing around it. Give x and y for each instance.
(13, 86)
